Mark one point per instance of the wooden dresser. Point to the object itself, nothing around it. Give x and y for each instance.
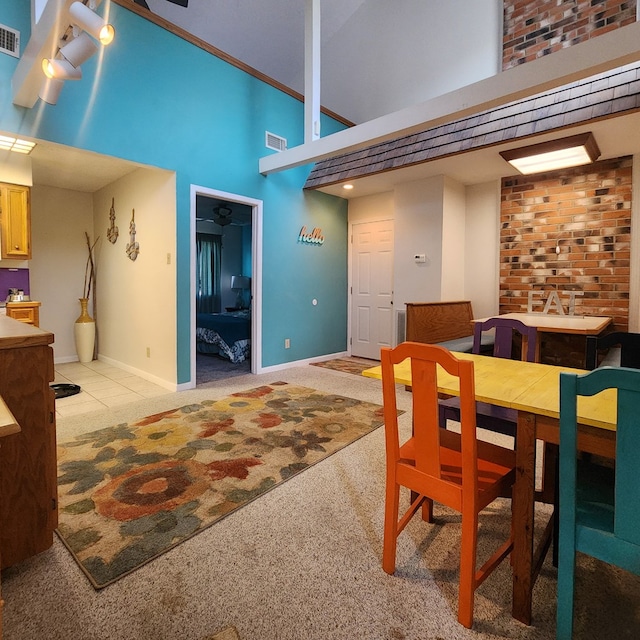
(28, 475)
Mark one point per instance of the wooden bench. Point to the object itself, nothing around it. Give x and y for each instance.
(448, 324)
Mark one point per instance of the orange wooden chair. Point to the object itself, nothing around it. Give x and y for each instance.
(454, 469)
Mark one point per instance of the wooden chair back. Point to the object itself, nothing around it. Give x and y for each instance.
(504, 330)
(599, 509)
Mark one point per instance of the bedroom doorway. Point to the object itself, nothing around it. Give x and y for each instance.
(226, 285)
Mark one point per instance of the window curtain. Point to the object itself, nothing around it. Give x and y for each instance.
(208, 255)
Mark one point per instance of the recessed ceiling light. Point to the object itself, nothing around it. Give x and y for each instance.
(347, 186)
(7, 143)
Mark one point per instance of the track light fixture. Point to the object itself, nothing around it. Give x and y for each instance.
(60, 70)
(79, 50)
(50, 90)
(91, 22)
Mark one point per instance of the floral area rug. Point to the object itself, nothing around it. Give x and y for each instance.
(347, 365)
(130, 492)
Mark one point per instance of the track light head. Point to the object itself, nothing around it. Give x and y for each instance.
(60, 70)
(79, 50)
(50, 90)
(91, 22)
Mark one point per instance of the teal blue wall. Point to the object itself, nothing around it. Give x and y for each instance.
(156, 99)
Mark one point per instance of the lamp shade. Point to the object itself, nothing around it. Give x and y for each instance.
(240, 282)
(573, 151)
(79, 50)
(91, 22)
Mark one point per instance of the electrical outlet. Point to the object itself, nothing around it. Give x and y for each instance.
(168, 258)
(148, 352)
(287, 343)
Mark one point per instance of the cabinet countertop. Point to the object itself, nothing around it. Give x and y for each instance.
(18, 334)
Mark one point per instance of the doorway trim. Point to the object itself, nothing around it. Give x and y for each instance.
(256, 275)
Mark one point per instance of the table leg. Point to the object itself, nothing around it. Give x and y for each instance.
(523, 509)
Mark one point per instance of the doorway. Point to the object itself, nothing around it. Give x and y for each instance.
(226, 261)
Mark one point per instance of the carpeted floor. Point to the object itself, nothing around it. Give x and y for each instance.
(131, 492)
(231, 633)
(304, 561)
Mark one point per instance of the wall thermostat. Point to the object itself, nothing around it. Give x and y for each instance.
(420, 257)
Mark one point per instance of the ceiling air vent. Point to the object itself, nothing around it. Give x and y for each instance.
(272, 141)
(9, 41)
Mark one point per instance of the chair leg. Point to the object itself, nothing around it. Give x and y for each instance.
(427, 510)
(390, 537)
(566, 584)
(468, 550)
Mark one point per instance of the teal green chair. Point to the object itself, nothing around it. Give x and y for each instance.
(599, 506)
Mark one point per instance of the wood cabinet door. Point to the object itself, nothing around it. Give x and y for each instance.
(28, 473)
(15, 214)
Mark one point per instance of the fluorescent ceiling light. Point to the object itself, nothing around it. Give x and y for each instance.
(573, 151)
(7, 143)
(91, 22)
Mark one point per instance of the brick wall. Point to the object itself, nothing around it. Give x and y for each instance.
(534, 29)
(586, 212)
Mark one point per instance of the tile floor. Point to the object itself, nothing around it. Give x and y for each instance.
(102, 386)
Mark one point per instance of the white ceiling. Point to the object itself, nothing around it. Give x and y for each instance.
(268, 35)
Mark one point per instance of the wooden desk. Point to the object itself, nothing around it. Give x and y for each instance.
(533, 389)
(553, 323)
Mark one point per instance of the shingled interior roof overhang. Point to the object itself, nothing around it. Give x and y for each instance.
(598, 97)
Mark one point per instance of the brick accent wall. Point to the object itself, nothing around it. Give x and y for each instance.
(586, 212)
(535, 29)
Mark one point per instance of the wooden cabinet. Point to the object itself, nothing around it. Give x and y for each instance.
(28, 487)
(15, 222)
(28, 312)
(8, 426)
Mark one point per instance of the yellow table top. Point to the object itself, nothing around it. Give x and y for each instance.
(526, 386)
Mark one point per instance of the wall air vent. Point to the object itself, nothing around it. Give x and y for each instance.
(9, 41)
(272, 141)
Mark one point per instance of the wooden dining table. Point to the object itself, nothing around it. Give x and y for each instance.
(533, 389)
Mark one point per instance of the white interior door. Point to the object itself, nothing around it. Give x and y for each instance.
(372, 288)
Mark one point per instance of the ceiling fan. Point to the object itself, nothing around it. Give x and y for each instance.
(222, 215)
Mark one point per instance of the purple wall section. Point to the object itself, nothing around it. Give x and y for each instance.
(13, 279)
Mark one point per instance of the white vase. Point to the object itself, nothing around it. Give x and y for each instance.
(85, 333)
